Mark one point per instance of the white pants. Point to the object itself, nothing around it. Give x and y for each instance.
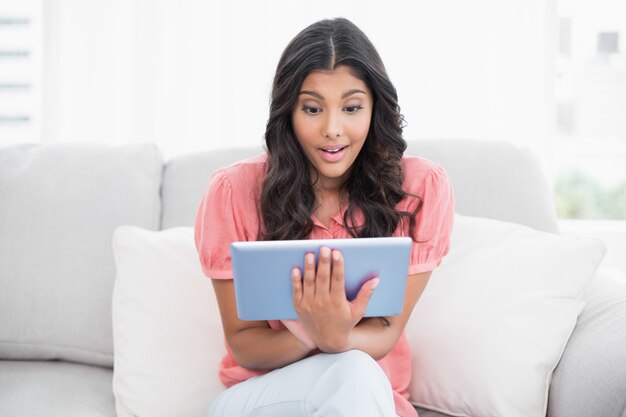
(345, 384)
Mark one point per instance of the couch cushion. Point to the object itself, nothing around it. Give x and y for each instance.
(60, 206)
(163, 299)
(591, 377)
(55, 389)
(495, 317)
(185, 179)
(494, 179)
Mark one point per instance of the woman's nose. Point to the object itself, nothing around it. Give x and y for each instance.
(332, 128)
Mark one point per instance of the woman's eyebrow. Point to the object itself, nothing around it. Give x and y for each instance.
(353, 91)
(344, 95)
(312, 93)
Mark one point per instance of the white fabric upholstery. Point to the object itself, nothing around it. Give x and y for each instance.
(60, 205)
(55, 389)
(185, 179)
(591, 377)
(168, 334)
(495, 317)
(497, 180)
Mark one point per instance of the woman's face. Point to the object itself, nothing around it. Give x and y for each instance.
(331, 120)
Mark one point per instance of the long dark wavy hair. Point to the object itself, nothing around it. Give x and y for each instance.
(374, 186)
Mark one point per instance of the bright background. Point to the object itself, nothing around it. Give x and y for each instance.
(193, 75)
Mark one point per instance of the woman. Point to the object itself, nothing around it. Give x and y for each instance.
(334, 168)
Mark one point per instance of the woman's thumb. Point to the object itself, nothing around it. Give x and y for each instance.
(359, 304)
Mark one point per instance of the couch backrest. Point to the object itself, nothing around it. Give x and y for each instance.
(186, 178)
(491, 179)
(60, 203)
(59, 206)
(494, 179)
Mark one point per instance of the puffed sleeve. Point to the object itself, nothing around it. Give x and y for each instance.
(219, 222)
(433, 222)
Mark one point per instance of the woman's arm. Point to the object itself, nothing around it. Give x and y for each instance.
(336, 324)
(373, 336)
(253, 343)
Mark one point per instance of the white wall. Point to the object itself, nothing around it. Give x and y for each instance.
(192, 75)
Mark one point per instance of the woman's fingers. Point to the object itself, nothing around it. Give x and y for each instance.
(320, 284)
(322, 281)
(296, 286)
(337, 284)
(308, 282)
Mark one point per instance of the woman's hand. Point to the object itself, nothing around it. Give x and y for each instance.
(319, 298)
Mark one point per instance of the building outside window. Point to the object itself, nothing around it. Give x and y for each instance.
(590, 148)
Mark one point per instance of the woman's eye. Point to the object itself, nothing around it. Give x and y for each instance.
(353, 109)
(311, 109)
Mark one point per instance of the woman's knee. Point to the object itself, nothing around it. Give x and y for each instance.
(358, 367)
(353, 384)
(356, 359)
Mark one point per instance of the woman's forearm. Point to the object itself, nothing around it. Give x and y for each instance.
(265, 348)
(254, 344)
(374, 337)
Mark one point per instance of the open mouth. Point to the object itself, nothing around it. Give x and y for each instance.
(334, 149)
(333, 153)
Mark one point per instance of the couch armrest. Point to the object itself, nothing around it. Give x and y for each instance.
(590, 379)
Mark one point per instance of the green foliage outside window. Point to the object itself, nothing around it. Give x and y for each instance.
(579, 196)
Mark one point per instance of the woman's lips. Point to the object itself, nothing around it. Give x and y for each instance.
(333, 153)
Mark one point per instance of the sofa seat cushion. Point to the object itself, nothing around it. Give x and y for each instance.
(55, 389)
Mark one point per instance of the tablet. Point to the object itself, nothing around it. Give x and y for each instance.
(262, 273)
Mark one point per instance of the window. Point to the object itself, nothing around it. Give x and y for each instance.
(591, 110)
(20, 72)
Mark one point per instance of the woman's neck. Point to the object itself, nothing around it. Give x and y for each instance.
(329, 202)
(330, 196)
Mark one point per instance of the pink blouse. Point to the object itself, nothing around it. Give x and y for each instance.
(229, 212)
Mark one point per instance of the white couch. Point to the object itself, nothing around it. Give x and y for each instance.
(59, 207)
